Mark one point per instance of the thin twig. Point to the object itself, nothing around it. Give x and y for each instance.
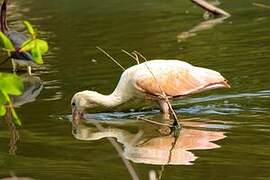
(108, 55)
(124, 51)
(161, 90)
(136, 57)
(5, 60)
(132, 55)
(211, 8)
(154, 122)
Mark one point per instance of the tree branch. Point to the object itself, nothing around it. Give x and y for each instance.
(211, 8)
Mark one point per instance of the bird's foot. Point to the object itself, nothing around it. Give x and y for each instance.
(29, 70)
(176, 124)
(14, 67)
(165, 116)
(175, 130)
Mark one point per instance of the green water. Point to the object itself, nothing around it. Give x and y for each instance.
(236, 120)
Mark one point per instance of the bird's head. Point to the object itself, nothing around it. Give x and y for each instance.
(81, 101)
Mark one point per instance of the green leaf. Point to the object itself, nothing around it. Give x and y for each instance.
(42, 45)
(15, 118)
(11, 84)
(3, 99)
(2, 110)
(27, 45)
(6, 42)
(30, 29)
(37, 55)
(31, 43)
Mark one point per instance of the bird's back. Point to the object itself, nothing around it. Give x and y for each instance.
(16, 38)
(173, 77)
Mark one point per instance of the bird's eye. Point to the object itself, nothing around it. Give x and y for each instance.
(73, 104)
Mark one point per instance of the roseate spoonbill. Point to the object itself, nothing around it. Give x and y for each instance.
(20, 59)
(150, 81)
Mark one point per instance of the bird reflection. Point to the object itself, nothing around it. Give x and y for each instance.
(202, 26)
(32, 88)
(149, 146)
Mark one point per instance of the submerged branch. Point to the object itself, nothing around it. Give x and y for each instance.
(13, 131)
(211, 8)
(261, 5)
(154, 122)
(205, 25)
(119, 150)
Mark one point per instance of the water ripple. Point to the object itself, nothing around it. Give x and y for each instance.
(258, 94)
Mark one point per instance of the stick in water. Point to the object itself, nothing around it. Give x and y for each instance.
(120, 152)
(261, 5)
(211, 8)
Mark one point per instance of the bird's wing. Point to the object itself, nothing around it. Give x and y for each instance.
(180, 81)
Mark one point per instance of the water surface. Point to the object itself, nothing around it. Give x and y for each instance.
(238, 47)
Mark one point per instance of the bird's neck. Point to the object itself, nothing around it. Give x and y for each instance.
(109, 100)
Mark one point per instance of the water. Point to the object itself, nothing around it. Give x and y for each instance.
(225, 132)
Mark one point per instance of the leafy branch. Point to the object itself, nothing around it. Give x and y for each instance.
(37, 47)
(10, 84)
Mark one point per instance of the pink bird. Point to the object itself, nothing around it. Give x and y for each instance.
(152, 81)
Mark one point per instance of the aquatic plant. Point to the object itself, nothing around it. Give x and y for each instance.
(10, 84)
(37, 47)
(7, 44)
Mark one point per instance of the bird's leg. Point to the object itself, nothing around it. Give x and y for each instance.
(13, 65)
(29, 70)
(164, 108)
(168, 113)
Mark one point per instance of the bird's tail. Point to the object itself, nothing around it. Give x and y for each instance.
(3, 16)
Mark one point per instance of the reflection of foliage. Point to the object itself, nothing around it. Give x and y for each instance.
(10, 84)
(37, 47)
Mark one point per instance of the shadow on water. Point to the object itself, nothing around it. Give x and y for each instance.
(153, 145)
(202, 26)
(32, 88)
(33, 85)
(244, 104)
